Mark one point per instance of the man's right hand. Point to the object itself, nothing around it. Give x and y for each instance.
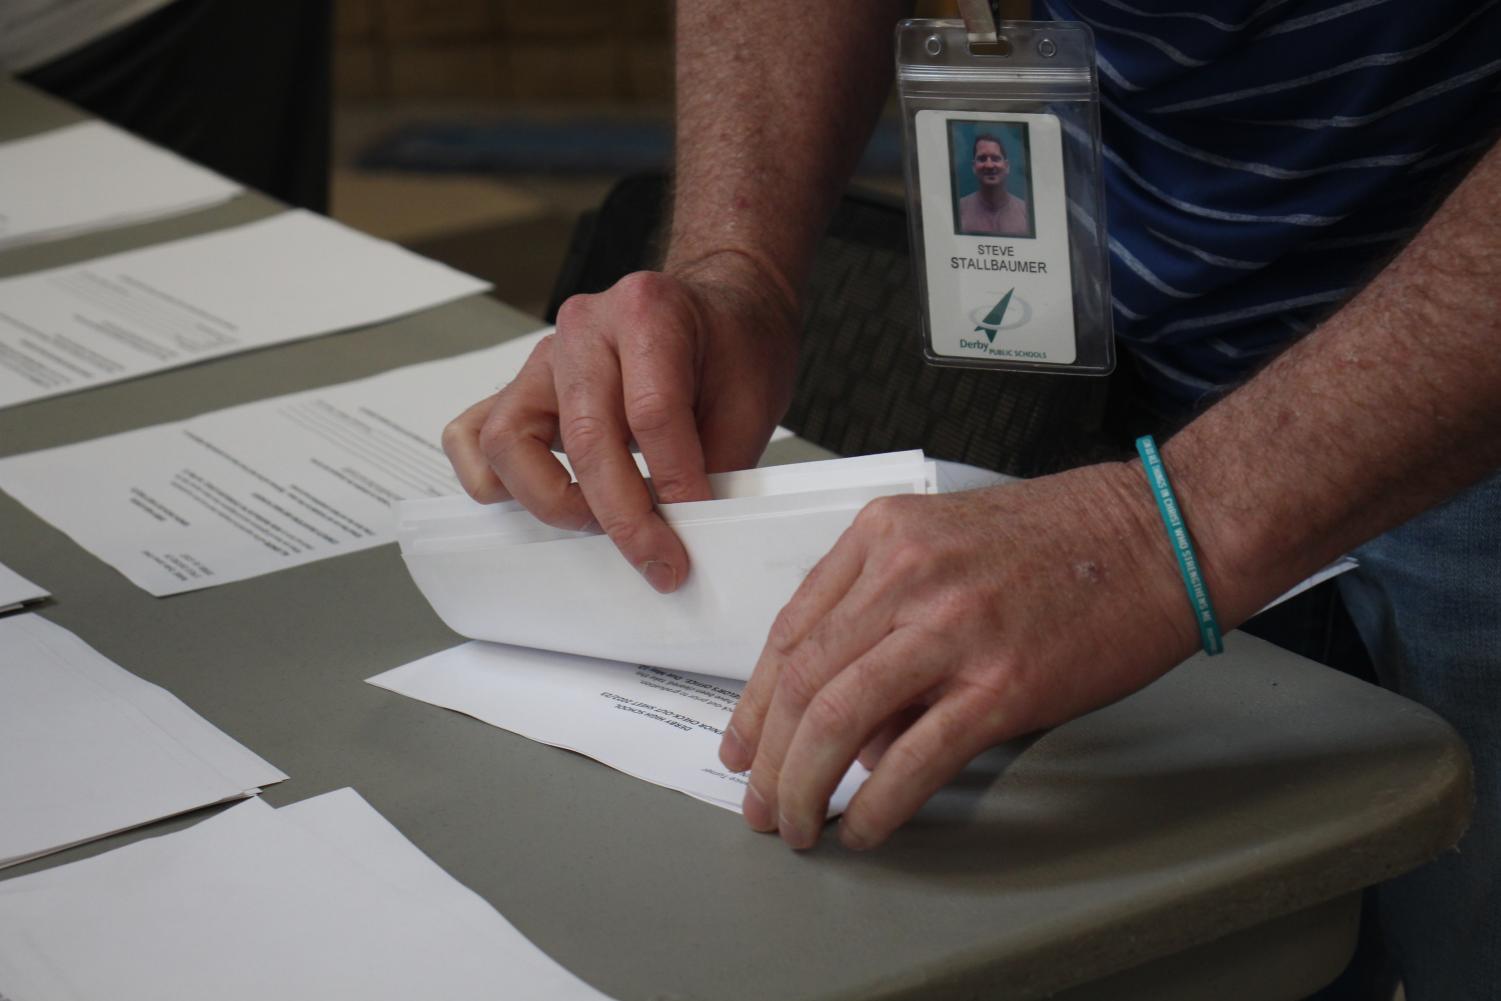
(695, 366)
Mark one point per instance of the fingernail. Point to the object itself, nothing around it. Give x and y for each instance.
(660, 576)
(756, 813)
(732, 752)
(794, 834)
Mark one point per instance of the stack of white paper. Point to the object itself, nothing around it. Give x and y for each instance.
(92, 176)
(322, 899)
(660, 726)
(88, 749)
(497, 573)
(577, 621)
(290, 276)
(16, 590)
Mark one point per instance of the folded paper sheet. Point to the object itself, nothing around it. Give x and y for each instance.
(321, 899)
(660, 726)
(496, 573)
(88, 749)
(91, 176)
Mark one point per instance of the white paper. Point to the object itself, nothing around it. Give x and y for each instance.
(291, 276)
(88, 749)
(660, 726)
(92, 176)
(321, 900)
(344, 821)
(265, 485)
(16, 590)
(1339, 566)
(496, 573)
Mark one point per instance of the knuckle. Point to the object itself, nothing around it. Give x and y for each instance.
(964, 719)
(485, 491)
(832, 714)
(951, 609)
(986, 694)
(674, 482)
(572, 314)
(584, 434)
(800, 682)
(905, 759)
(496, 439)
(474, 489)
(455, 434)
(750, 713)
(541, 356)
(640, 289)
(881, 517)
(909, 558)
(651, 411)
(783, 635)
(654, 307)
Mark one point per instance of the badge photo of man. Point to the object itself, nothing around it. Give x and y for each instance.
(992, 182)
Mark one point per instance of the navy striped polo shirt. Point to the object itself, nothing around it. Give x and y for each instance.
(1263, 159)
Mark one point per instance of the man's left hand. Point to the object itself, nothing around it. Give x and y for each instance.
(939, 626)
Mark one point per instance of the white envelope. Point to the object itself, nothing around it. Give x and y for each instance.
(496, 573)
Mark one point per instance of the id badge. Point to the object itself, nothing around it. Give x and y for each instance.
(1004, 199)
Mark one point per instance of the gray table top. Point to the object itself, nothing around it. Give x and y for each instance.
(1229, 793)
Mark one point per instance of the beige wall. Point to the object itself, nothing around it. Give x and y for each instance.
(593, 50)
(503, 49)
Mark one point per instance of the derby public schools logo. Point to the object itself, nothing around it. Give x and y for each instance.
(992, 321)
(1010, 312)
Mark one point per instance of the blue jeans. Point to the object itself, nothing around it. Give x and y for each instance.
(1427, 602)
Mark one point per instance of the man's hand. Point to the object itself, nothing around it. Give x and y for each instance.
(695, 367)
(940, 626)
(696, 363)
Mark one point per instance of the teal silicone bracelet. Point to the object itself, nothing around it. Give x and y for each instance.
(1177, 533)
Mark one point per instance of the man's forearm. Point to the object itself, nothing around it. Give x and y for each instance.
(1392, 405)
(775, 100)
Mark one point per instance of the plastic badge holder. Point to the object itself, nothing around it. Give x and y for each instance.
(1004, 196)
